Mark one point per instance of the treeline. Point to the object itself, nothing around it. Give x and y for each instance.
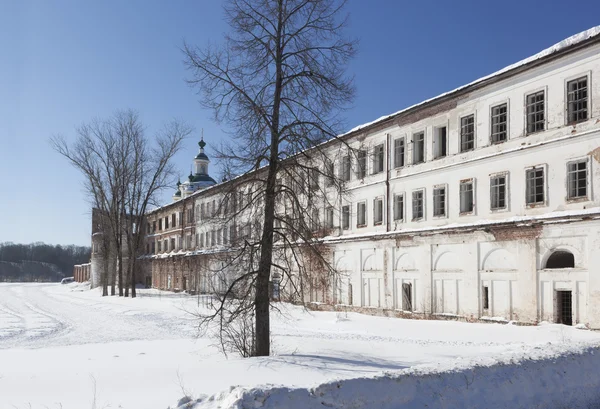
(40, 261)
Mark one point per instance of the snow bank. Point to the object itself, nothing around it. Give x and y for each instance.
(567, 380)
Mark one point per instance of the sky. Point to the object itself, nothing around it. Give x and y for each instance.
(64, 63)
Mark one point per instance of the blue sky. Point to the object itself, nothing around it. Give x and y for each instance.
(63, 63)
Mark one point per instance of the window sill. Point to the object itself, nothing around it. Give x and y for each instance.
(535, 205)
(359, 226)
(469, 213)
(573, 123)
(440, 216)
(498, 142)
(417, 219)
(499, 210)
(440, 157)
(577, 199)
(377, 223)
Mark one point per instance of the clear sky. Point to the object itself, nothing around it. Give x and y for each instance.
(63, 63)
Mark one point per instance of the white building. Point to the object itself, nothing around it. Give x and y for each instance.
(480, 203)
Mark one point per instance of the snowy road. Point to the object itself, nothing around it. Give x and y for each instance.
(61, 347)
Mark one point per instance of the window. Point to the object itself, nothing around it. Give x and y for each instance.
(439, 201)
(166, 223)
(378, 211)
(188, 241)
(361, 170)
(417, 205)
(466, 196)
(315, 219)
(378, 159)
(314, 179)
(499, 121)
(536, 120)
(345, 217)
(174, 220)
(346, 165)
(153, 226)
(498, 192)
(173, 244)
(577, 97)
(213, 237)
(159, 246)
(399, 149)
(329, 217)
(467, 133)
(399, 207)
(419, 148)
(577, 180)
(330, 174)
(440, 142)
(535, 186)
(202, 210)
(159, 224)
(190, 215)
(407, 297)
(232, 233)
(207, 238)
(361, 214)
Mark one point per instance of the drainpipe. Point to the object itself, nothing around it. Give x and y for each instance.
(388, 220)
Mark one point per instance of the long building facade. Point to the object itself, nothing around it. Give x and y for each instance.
(481, 203)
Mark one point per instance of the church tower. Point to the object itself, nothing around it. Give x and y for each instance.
(199, 179)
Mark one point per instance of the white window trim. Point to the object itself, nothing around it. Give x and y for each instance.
(525, 95)
(494, 105)
(587, 74)
(374, 154)
(588, 177)
(436, 126)
(460, 117)
(474, 210)
(366, 214)
(403, 219)
(349, 217)
(405, 151)
(412, 142)
(412, 218)
(441, 186)
(545, 202)
(506, 174)
(382, 222)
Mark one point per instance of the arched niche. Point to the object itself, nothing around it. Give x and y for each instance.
(404, 262)
(447, 261)
(499, 259)
(560, 259)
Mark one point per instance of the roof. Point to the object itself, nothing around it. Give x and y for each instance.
(201, 178)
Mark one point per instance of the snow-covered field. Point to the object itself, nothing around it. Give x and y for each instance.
(65, 347)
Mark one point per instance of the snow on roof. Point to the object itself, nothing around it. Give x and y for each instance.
(568, 42)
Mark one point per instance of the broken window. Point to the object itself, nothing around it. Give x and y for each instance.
(345, 217)
(577, 179)
(536, 119)
(498, 192)
(560, 259)
(361, 158)
(439, 142)
(577, 100)
(361, 214)
(378, 159)
(399, 149)
(499, 121)
(417, 205)
(399, 207)
(535, 186)
(439, 201)
(467, 133)
(466, 196)
(419, 148)
(378, 211)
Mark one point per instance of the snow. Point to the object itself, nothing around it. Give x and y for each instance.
(64, 346)
(568, 42)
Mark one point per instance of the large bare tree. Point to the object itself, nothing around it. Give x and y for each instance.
(123, 172)
(279, 83)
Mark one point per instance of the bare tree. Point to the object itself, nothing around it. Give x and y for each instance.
(279, 83)
(123, 172)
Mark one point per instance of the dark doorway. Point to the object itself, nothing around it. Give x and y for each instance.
(184, 283)
(564, 307)
(407, 297)
(561, 259)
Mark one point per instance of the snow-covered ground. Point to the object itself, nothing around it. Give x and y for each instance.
(65, 347)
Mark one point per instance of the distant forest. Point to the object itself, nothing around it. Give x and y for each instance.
(40, 262)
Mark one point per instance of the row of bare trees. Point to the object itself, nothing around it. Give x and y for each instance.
(123, 171)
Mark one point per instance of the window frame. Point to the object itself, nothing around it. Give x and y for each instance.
(378, 150)
(545, 111)
(346, 210)
(587, 75)
(544, 168)
(413, 217)
(507, 122)
(434, 142)
(460, 133)
(329, 217)
(414, 144)
(403, 207)
(403, 139)
(585, 198)
(506, 207)
(346, 168)
(445, 207)
(381, 200)
(462, 182)
(358, 213)
(361, 171)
